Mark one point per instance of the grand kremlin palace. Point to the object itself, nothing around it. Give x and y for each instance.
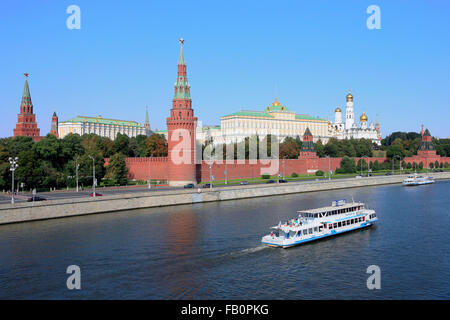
(276, 119)
(108, 128)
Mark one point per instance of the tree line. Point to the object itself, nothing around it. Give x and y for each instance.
(52, 162)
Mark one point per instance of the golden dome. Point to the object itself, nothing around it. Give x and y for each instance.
(363, 117)
(349, 96)
(276, 103)
(338, 110)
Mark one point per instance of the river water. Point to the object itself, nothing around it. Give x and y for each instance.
(213, 251)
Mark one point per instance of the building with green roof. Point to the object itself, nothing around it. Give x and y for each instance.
(275, 119)
(104, 127)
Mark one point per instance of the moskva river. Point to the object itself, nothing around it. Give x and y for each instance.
(213, 251)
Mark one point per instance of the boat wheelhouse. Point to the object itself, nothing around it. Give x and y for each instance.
(319, 223)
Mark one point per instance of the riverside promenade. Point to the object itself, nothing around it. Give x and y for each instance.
(60, 208)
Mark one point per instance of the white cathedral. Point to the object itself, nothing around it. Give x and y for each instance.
(349, 129)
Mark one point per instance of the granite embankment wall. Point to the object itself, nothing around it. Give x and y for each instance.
(22, 212)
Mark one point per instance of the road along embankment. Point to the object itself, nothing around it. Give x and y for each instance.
(28, 211)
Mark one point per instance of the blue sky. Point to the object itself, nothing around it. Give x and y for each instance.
(239, 54)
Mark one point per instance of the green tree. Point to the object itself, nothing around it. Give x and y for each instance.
(395, 150)
(71, 146)
(376, 166)
(29, 171)
(156, 145)
(20, 144)
(362, 165)
(319, 148)
(117, 169)
(122, 144)
(141, 150)
(48, 149)
(347, 165)
(5, 176)
(85, 170)
(332, 148)
(289, 149)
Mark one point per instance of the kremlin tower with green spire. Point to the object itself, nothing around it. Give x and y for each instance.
(181, 126)
(26, 119)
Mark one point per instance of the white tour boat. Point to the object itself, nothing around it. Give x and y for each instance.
(416, 180)
(319, 223)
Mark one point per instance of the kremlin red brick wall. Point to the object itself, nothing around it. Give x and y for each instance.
(138, 167)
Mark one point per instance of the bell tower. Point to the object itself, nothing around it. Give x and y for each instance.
(181, 126)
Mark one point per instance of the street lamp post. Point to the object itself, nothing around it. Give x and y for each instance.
(329, 167)
(149, 175)
(77, 165)
(210, 175)
(399, 163)
(226, 171)
(14, 166)
(368, 165)
(93, 174)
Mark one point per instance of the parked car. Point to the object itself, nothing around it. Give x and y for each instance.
(282, 181)
(96, 194)
(35, 198)
(358, 176)
(389, 173)
(270, 181)
(189, 186)
(208, 185)
(244, 182)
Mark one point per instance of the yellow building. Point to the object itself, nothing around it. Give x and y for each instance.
(108, 128)
(276, 120)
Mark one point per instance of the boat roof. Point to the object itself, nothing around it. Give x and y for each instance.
(331, 208)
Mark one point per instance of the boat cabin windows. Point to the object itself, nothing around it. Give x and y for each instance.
(305, 232)
(310, 230)
(344, 223)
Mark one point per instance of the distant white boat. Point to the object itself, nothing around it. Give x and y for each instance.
(319, 223)
(416, 180)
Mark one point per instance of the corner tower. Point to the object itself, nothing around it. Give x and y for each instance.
(26, 119)
(181, 126)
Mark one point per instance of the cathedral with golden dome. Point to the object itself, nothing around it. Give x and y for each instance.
(348, 129)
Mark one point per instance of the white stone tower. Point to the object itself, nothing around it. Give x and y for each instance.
(338, 116)
(349, 112)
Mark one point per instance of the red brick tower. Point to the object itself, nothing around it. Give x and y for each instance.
(181, 126)
(426, 148)
(26, 119)
(307, 150)
(54, 130)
